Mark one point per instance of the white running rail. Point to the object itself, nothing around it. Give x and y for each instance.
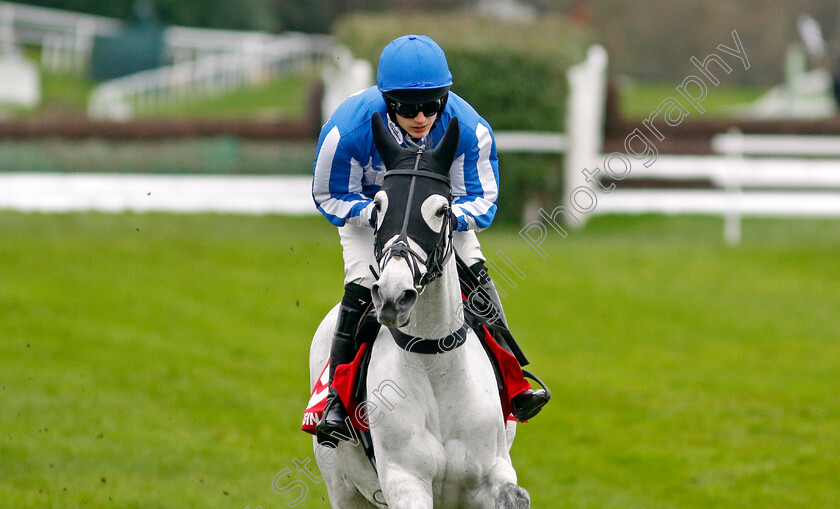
(65, 37)
(752, 175)
(208, 75)
(206, 61)
(104, 192)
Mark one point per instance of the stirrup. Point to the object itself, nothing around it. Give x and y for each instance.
(532, 406)
(528, 374)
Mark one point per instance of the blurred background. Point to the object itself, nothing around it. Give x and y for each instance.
(163, 267)
(226, 88)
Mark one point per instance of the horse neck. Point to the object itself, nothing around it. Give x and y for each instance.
(439, 310)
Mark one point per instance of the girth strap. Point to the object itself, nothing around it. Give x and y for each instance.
(430, 346)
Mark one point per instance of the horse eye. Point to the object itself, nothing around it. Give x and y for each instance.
(441, 211)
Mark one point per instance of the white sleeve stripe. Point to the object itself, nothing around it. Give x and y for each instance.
(338, 208)
(483, 166)
(323, 166)
(456, 173)
(476, 208)
(355, 176)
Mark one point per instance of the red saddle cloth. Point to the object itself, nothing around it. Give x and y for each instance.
(513, 383)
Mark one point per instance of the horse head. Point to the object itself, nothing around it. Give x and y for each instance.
(413, 232)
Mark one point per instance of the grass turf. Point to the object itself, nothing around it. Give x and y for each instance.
(639, 100)
(160, 360)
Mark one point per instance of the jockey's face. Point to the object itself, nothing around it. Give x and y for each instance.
(417, 127)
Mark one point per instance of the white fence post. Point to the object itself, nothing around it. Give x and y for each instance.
(732, 179)
(346, 76)
(83, 43)
(584, 123)
(7, 29)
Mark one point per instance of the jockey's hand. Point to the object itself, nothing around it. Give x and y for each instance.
(368, 215)
(458, 223)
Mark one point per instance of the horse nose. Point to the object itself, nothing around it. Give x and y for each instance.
(393, 307)
(403, 302)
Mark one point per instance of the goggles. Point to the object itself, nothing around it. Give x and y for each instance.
(411, 110)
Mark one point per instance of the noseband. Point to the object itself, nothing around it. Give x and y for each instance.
(401, 247)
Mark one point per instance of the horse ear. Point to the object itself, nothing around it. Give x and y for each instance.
(389, 150)
(445, 152)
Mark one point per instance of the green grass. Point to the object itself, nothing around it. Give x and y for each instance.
(638, 100)
(285, 98)
(64, 92)
(61, 94)
(160, 360)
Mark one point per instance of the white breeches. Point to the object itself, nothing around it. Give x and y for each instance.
(357, 247)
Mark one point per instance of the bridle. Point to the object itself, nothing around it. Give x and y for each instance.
(442, 250)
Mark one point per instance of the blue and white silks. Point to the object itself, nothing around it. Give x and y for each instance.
(348, 171)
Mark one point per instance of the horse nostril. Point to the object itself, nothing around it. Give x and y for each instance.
(408, 299)
(374, 294)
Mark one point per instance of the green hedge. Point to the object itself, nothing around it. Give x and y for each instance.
(512, 72)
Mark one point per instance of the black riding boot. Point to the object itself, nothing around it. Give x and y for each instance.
(334, 422)
(527, 404)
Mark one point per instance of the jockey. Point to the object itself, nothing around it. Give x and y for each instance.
(412, 88)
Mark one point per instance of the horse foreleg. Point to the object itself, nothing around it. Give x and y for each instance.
(500, 490)
(346, 496)
(405, 490)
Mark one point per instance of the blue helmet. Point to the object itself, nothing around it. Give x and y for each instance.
(412, 62)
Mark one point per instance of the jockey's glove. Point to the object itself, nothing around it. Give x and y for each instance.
(368, 215)
(459, 223)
